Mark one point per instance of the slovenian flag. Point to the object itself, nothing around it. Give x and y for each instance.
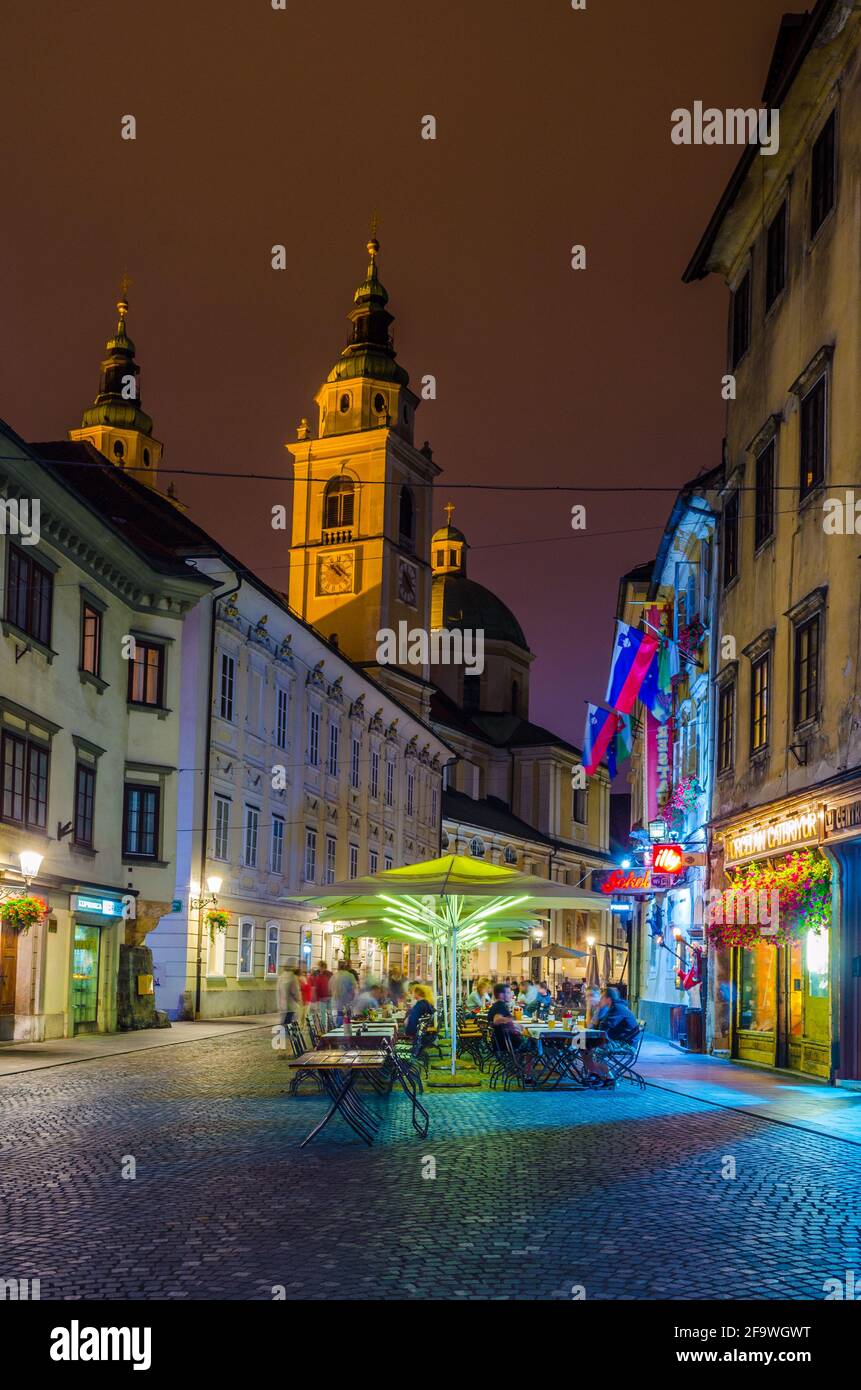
(632, 657)
(600, 728)
(652, 696)
(624, 739)
(668, 664)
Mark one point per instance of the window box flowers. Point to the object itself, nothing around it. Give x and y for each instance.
(22, 912)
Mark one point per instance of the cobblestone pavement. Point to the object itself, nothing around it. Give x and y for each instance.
(534, 1194)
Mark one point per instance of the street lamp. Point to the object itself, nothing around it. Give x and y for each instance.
(626, 863)
(30, 862)
(590, 941)
(213, 883)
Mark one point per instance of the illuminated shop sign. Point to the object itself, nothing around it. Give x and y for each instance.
(800, 829)
(842, 820)
(668, 859)
(103, 907)
(624, 881)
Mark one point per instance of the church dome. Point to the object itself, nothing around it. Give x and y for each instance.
(462, 603)
(448, 533)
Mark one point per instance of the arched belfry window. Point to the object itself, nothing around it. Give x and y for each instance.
(407, 520)
(338, 502)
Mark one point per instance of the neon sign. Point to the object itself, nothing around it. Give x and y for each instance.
(668, 859)
(630, 881)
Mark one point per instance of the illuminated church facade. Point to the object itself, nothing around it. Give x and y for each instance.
(365, 560)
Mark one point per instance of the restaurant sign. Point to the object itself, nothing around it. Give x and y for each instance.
(842, 820)
(637, 881)
(749, 842)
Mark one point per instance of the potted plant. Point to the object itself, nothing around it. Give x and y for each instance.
(22, 912)
(217, 920)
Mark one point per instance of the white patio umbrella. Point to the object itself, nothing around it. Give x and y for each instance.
(454, 903)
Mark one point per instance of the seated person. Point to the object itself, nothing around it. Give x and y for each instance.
(528, 997)
(502, 1025)
(423, 1006)
(479, 996)
(541, 1007)
(615, 1018)
(371, 997)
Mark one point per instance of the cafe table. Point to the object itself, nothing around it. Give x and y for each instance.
(559, 1049)
(338, 1070)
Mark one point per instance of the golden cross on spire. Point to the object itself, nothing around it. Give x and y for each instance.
(448, 509)
(375, 222)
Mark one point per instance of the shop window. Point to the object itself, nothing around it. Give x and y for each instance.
(29, 596)
(757, 992)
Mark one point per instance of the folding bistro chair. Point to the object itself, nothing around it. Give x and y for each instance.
(620, 1057)
(409, 1077)
(297, 1046)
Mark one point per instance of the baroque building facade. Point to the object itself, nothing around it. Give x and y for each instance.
(784, 238)
(94, 612)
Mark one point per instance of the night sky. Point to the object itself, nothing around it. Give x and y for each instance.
(257, 127)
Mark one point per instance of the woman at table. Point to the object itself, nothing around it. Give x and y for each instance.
(423, 1007)
(479, 996)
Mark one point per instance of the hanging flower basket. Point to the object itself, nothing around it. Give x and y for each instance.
(22, 912)
(217, 920)
(803, 883)
(690, 637)
(681, 800)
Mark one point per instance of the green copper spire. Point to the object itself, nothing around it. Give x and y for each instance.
(371, 349)
(118, 402)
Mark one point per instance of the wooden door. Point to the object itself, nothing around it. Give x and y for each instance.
(8, 980)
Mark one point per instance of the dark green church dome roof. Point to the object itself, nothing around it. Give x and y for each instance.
(466, 604)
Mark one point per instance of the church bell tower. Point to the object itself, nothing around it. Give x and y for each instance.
(115, 423)
(362, 499)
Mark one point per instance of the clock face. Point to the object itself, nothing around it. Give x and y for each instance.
(336, 572)
(407, 583)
